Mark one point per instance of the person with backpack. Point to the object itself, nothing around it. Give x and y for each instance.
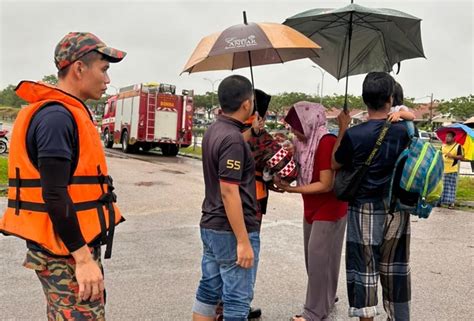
(377, 240)
(324, 219)
(453, 154)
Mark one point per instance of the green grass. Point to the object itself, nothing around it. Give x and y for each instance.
(3, 175)
(192, 151)
(3, 171)
(465, 190)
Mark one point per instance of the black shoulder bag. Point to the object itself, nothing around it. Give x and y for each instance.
(347, 182)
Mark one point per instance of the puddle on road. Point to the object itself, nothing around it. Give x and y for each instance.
(148, 184)
(114, 155)
(172, 171)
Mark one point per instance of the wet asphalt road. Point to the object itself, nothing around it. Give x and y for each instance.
(155, 265)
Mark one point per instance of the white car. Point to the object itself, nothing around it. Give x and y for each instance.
(424, 135)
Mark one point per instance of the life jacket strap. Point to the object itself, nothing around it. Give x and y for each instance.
(17, 186)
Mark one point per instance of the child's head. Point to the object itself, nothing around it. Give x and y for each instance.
(397, 95)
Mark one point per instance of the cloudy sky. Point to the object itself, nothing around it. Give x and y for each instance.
(159, 37)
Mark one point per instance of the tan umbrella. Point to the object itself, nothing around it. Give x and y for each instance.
(250, 44)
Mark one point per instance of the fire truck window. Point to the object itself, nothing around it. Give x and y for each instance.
(112, 107)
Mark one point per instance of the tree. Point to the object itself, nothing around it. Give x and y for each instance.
(409, 102)
(50, 79)
(280, 102)
(337, 101)
(97, 106)
(459, 107)
(8, 97)
(206, 101)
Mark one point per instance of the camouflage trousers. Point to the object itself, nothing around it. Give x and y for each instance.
(57, 277)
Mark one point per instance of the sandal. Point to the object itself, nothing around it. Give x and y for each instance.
(219, 311)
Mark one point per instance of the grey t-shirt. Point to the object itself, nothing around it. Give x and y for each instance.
(227, 157)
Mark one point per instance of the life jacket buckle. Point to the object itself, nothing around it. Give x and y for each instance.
(107, 198)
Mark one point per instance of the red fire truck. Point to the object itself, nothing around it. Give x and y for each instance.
(147, 116)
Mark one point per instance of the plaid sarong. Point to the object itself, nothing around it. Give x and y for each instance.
(378, 244)
(449, 190)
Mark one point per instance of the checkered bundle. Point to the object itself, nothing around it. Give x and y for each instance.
(270, 155)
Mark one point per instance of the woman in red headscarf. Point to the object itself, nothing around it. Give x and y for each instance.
(324, 215)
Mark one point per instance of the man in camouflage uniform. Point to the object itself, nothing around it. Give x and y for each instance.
(57, 277)
(73, 285)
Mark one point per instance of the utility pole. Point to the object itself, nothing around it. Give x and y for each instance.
(212, 93)
(322, 83)
(431, 113)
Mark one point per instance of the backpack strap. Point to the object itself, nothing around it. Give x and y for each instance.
(410, 128)
(392, 200)
(378, 143)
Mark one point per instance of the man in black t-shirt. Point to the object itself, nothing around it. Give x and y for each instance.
(229, 225)
(377, 242)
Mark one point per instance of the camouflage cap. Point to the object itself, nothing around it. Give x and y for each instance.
(74, 45)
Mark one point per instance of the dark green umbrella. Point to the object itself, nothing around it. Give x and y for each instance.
(374, 39)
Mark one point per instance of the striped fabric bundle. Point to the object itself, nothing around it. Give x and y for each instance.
(271, 156)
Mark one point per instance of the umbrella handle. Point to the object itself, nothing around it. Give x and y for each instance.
(245, 18)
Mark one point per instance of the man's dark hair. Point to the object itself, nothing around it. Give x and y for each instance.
(377, 89)
(87, 59)
(397, 95)
(232, 92)
(452, 133)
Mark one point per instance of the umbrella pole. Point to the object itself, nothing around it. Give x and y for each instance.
(348, 60)
(251, 77)
(250, 64)
(251, 70)
(250, 56)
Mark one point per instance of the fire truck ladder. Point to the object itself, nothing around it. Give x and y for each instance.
(151, 109)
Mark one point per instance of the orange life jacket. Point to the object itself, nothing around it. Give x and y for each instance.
(90, 187)
(261, 187)
(250, 120)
